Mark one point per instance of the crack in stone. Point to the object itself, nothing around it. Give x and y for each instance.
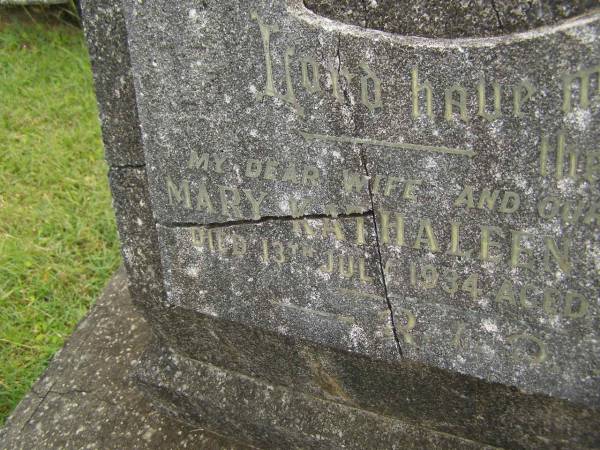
(263, 219)
(366, 214)
(37, 407)
(337, 53)
(343, 82)
(363, 160)
(75, 392)
(71, 391)
(500, 24)
(371, 212)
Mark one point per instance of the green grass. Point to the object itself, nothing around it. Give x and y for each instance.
(58, 243)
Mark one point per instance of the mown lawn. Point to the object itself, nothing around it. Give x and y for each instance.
(58, 243)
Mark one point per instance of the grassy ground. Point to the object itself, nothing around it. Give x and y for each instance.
(58, 243)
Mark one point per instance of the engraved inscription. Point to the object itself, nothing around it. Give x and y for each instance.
(509, 244)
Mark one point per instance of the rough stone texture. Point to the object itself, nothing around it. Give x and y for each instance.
(424, 395)
(87, 399)
(413, 392)
(273, 417)
(139, 239)
(224, 145)
(289, 283)
(191, 141)
(107, 44)
(106, 36)
(283, 148)
(450, 18)
(537, 341)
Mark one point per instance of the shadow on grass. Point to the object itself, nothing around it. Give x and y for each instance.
(49, 15)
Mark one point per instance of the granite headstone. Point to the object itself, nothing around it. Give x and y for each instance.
(392, 206)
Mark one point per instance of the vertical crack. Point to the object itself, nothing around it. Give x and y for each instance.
(337, 53)
(500, 24)
(363, 160)
(38, 406)
(356, 119)
(343, 82)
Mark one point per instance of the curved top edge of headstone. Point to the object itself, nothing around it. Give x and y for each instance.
(449, 19)
(441, 19)
(297, 8)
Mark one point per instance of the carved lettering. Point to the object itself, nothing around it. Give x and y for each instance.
(372, 102)
(418, 88)
(452, 102)
(481, 95)
(582, 78)
(310, 79)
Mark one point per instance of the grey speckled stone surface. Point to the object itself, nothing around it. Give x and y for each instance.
(403, 225)
(324, 291)
(273, 417)
(107, 44)
(450, 18)
(139, 238)
(477, 158)
(87, 399)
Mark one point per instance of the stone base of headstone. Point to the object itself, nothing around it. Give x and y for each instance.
(90, 397)
(270, 416)
(87, 397)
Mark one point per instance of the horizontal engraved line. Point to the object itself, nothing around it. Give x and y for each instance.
(345, 319)
(396, 145)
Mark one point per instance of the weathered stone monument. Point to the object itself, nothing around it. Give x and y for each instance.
(362, 224)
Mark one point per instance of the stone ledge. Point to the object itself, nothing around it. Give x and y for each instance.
(87, 399)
